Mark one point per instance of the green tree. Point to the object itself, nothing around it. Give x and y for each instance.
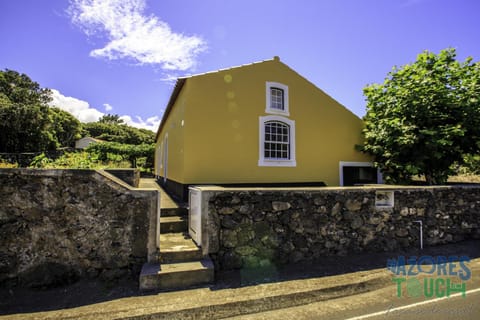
(107, 150)
(24, 115)
(111, 119)
(66, 127)
(20, 89)
(120, 133)
(424, 117)
(25, 128)
(27, 123)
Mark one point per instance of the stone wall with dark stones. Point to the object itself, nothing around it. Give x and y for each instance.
(249, 228)
(60, 225)
(129, 176)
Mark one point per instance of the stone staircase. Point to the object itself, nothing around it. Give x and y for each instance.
(181, 263)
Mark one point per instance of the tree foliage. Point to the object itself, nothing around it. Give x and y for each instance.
(21, 90)
(106, 150)
(111, 119)
(121, 133)
(122, 142)
(25, 128)
(424, 117)
(27, 123)
(76, 160)
(67, 128)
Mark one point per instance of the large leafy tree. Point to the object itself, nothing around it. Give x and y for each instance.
(24, 115)
(424, 117)
(25, 128)
(20, 89)
(65, 126)
(27, 123)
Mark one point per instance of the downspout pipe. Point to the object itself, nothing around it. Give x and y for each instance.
(421, 232)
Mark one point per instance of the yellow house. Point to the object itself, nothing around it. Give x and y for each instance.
(260, 124)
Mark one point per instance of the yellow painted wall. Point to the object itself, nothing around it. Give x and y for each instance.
(221, 128)
(174, 128)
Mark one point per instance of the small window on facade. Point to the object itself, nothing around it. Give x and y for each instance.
(277, 140)
(276, 98)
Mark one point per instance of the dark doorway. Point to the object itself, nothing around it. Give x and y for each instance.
(353, 176)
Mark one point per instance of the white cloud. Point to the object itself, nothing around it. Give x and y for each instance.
(133, 35)
(169, 78)
(79, 108)
(151, 123)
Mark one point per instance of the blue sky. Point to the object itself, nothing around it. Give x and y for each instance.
(121, 56)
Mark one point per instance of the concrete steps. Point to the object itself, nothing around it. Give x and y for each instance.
(178, 247)
(173, 224)
(169, 212)
(181, 263)
(176, 275)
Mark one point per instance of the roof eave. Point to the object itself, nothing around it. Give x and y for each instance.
(176, 91)
(181, 81)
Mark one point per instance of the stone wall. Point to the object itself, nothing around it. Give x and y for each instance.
(129, 176)
(248, 228)
(59, 225)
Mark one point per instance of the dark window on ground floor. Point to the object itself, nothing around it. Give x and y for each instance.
(359, 175)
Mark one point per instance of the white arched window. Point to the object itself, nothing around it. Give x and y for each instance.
(277, 142)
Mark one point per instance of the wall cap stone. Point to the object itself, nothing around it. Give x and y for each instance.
(355, 188)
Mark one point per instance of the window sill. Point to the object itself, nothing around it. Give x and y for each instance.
(277, 111)
(277, 163)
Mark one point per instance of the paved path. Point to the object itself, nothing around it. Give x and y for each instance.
(166, 201)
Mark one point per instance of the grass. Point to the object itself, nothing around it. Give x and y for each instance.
(4, 164)
(465, 178)
(461, 178)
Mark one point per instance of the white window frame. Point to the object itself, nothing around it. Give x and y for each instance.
(265, 162)
(358, 164)
(284, 88)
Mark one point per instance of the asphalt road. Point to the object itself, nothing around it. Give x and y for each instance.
(81, 300)
(381, 304)
(457, 307)
(385, 304)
